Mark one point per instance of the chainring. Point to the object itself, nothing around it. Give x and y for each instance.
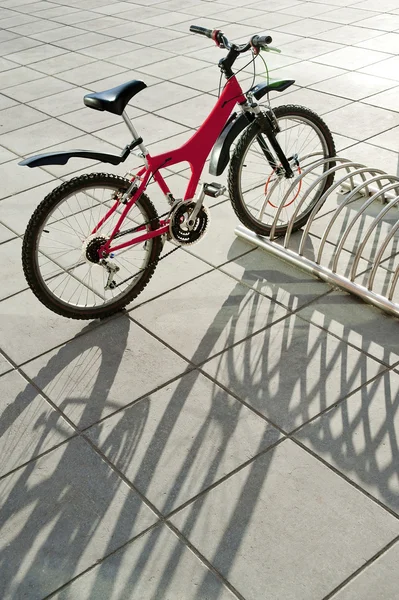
(178, 225)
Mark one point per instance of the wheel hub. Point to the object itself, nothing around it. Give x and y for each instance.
(91, 249)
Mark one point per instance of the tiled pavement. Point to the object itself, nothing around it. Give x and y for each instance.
(234, 434)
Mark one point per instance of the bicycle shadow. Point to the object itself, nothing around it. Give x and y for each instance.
(269, 370)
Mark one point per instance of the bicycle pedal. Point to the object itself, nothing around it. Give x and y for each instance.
(214, 190)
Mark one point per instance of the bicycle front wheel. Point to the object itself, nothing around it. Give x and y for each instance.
(258, 190)
(60, 252)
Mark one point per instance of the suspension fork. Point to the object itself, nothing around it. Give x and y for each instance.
(266, 126)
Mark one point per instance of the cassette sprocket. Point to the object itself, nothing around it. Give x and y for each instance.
(179, 229)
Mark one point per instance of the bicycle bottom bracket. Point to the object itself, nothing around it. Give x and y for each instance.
(179, 229)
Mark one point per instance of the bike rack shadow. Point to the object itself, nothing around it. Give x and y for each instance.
(260, 375)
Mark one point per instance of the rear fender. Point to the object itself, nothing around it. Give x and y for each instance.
(61, 158)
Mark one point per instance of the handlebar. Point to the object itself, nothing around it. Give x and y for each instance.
(256, 42)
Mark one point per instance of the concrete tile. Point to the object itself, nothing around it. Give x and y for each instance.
(92, 120)
(13, 279)
(354, 85)
(177, 269)
(17, 44)
(5, 366)
(163, 94)
(191, 112)
(6, 102)
(58, 33)
(307, 73)
(58, 64)
(18, 75)
(156, 565)
(219, 244)
(207, 315)
(388, 42)
(306, 27)
(358, 437)
(166, 19)
(342, 34)
(90, 72)
(276, 278)
(355, 322)
(75, 18)
(310, 512)
(361, 121)
(378, 580)
(46, 86)
(140, 58)
(18, 19)
(150, 127)
(39, 26)
(316, 101)
(29, 425)
(368, 154)
(387, 99)
(127, 30)
(388, 139)
(347, 15)
(102, 22)
(306, 48)
(24, 317)
(61, 103)
(109, 82)
(61, 513)
(163, 35)
(35, 54)
(93, 375)
(38, 136)
(13, 181)
(384, 22)
(110, 49)
(6, 65)
(387, 68)
(5, 234)
(193, 434)
(292, 371)
(351, 58)
(204, 80)
(19, 116)
(173, 67)
(84, 40)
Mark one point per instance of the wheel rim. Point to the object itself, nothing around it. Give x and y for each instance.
(65, 243)
(263, 190)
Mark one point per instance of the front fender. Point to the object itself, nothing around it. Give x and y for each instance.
(220, 155)
(221, 151)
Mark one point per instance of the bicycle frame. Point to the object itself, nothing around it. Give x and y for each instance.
(195, 151)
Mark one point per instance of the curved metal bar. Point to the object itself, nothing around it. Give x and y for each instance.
(373, 225)
(310, 189)
(393, 284)
(323, 198)
(347, 201)
(380, 253)
(320, 271)
(355, 218)
(295, 183)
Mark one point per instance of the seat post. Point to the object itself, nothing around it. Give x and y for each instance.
(134, 133)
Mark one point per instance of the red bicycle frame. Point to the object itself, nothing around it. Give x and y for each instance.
(195, 151)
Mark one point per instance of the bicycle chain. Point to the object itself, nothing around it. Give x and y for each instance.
(151, 263)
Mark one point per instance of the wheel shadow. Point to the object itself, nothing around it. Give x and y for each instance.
(281, 370)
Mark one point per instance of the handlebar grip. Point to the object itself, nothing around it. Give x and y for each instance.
(201, 30)
(261, 40)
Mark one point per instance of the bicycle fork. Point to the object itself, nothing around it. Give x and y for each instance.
(268, 128)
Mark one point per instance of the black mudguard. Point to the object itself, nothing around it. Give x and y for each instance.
(61, 158)
(236, 124)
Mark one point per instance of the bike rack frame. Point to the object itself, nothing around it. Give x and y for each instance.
(367, 249)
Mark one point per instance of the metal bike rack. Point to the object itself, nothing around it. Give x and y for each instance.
(352, 236)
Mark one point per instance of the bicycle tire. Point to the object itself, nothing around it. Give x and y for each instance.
(45, 216)
(237, 196)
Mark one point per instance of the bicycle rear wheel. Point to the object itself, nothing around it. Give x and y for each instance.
(257, 190)
(60, 253)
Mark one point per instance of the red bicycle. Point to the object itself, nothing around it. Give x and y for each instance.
(93, 243)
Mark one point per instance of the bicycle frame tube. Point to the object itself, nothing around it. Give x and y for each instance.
(195, 152)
